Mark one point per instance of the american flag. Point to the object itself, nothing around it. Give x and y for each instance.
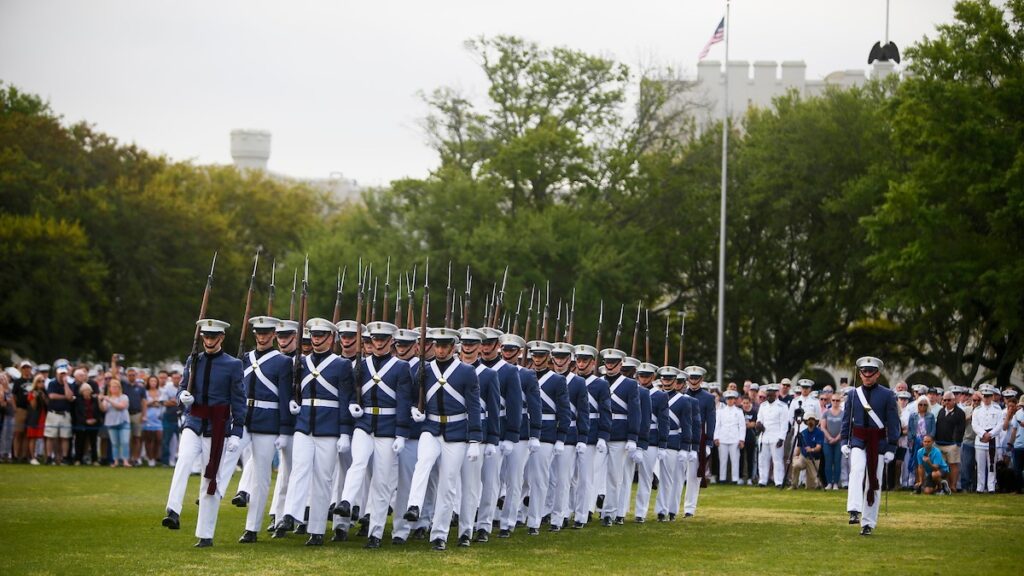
(717, 37)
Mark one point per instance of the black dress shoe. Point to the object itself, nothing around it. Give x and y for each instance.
(372, 543)
(504, 533)
(464, 540)
(671, 517)
(412, 514)
(272, 525)
(203, 543)
(590, 517)
(577, 525)
(331, 509)
(606, 521)
(284, 527)
(866, 530)
(455, 520)
(248, 537)
(301, 529)
(315, 540)
(520, 523)
(241, 500)
(172, 520)
(398, 541)
(639, 520)
(546, 519)
(619, 520)
(364, 529)
(688, 515)
(340, 535)
(438, 544)
(600, 501)
(554, 528)
(565, 523)
(661, 517)
(532, 531)
(854, 517)
(343, 509)
(501, 502)
(481, 535)
(419, 534)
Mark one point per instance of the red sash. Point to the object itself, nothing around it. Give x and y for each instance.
(218, 417)
(871, 438)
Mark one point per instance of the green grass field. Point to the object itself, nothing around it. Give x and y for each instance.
(68, 520)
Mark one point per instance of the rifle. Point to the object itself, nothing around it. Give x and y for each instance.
(618, 327)
(248, 305)
(647, 334)
(558, 319)
(398, 303)
(422, 375)
(572, 318)
(337, 298)
(600, 321)
(357, 369)
(543, 325)
(412, 288)
(373, 302)
(682, 338)
(291, 306)
(501, 300)
(515, 322)
(387, 286)
(270, 289)
(668, 320)
(636, 331)
(297, 363)
(366, 285)
(194, 356)
(529, 312)
(465, 301)
(448, 303)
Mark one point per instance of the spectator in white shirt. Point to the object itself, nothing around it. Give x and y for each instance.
(987, 422)
(772, 421)
(730, 430)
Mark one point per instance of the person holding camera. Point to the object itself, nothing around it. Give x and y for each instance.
(932, 469)
(811, 442)
(115, 406)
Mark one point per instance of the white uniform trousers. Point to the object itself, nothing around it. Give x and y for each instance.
(337, 485)
(284, 470)
(259, 487)
(693, 484)
(449, 457)
(562, 467)
(429, 501)
(729, 454)
(986, 479)
(645, 481)
(538, 471)
(668, 473)
(513, 482)
(857, 494)
(383, 476)
(469, 492)
(770, 455)
(362, 451)
(192, 448)
(315, 460)
(681, 471)
(583, 485)
(490, 481)
(627, 483)
(600, 476)
(245, 460)
(615, 471)
(400, 527)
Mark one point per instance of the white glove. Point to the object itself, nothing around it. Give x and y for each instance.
(581, 447)
(280, 442)
(630, 446)
(707, 451)
(662, 453)
(602, 446)
(637, 456)
(682, 457)
(398, 445)
(344, 443)
(294, 407)
(355, 410)
(417, 416)
(506, 447)
(889, 457)
(845, 450)
(473, 453)
(186, 399)
(559, 447)
(490, 450)
(534, 444)
(233, 443)
(693, 456)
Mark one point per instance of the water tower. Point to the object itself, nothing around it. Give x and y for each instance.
(250, 149)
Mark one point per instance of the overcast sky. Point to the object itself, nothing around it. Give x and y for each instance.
(336, 82)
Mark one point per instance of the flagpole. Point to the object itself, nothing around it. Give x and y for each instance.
(721, 233)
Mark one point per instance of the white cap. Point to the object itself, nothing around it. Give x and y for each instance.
(287, 326)
(406, 336)
(442, 334)
(471, 334)
(986, 390)
(538, 347)
(773, 387)
(43, 368)
(586, 350)
(24, 363)
(263, 322)
(321, 325)
(869, 362)
(805, 383)
(730, 394)
(630, 362)
(491, 333)
(613, 354)
(755, 386)
(1009, 393)
(347, 326)
(670, 371)
(382, 328)
(647, 368)
(211, 326)
(512, 340)
(562, 348)
(904, 395)
(785, 382)
(694, 371)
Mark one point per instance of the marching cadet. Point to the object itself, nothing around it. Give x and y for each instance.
(772, 420)
(654, 436)
(381, 427)
(684, 434)
(529, 435)
(286, 334)
(490, 415)
(510, 417)
(871, 427)
(987, 423)
(600, 427)
(695, 476)
(624, 434)
(630, 368)
(564, 467)
(451, 431)
(421, 529)
(266, 378)
(213, 426)
(306, 345)
(322, 429)
(666, 376)
(406, 348)
(555, 416)
(730, 430)
(342, 523)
